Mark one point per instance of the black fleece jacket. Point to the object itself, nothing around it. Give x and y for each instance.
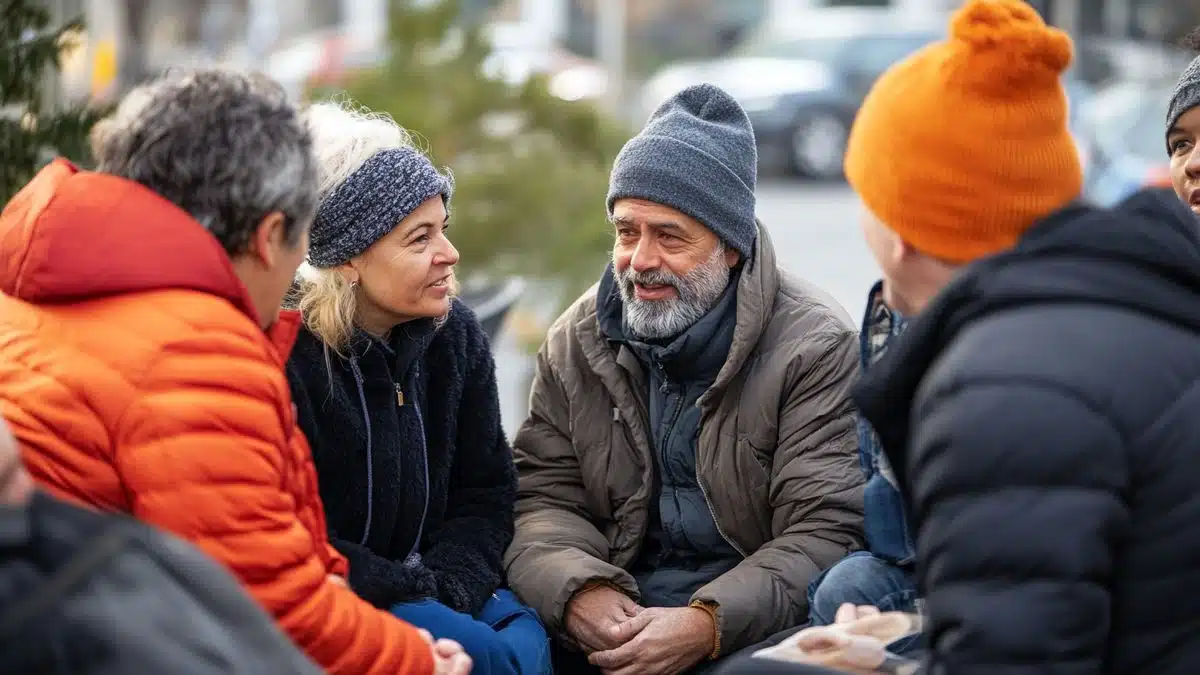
(415, 472)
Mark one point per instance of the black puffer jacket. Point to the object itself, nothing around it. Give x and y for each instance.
(1052, 463)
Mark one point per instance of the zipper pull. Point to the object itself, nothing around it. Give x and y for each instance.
(616, 415)
(399, 395)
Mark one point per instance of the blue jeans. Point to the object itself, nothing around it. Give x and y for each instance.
(504, 638)
(864, 579)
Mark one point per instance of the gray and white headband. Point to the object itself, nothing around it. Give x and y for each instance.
(373, 200)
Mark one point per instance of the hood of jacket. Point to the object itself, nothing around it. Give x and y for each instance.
(1142, 256)
(72, 235)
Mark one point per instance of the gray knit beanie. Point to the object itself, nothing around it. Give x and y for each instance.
(371, 202)
(1186, 95)
(695, 155)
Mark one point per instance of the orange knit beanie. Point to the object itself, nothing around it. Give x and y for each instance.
(964, 146)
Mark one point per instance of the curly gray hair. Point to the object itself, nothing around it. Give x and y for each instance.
(225, 146)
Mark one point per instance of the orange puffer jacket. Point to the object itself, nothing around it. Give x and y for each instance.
(136, 378)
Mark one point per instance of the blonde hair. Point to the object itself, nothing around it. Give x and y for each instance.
(344, 137)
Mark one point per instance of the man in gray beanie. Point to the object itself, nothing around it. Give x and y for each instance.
(689, 463)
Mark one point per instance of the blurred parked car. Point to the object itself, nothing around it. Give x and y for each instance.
(801, 81)
(492, 302)
(1102, 61)
(1122, 139)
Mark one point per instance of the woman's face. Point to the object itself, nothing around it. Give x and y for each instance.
(1183, 141)
(409, 273)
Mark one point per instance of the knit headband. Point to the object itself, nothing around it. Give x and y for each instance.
(373, 200)
(1186, 95)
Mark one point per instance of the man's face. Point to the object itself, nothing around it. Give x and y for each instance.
(669, 267)
(268, 266)
(15, 484)
(885, 247)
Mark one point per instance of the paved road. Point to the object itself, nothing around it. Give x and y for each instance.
(816, 235)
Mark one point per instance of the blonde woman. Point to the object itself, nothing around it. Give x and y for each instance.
(396, 391)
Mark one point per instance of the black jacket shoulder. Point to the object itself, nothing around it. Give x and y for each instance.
(1040, 416)
(91, 593)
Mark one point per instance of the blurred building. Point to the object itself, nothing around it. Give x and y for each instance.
(128, 39)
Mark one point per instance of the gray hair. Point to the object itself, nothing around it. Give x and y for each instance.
(345, 137)
(225, 146)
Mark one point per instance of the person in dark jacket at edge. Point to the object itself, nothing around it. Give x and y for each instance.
(1040, 411)
(98, 594)
(396, 390)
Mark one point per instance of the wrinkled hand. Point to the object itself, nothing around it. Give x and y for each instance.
(592, 616)
(448, 656)
(659, 641)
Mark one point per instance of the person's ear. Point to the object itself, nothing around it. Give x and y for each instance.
(732, 257)
(349, 272)
(901, 250)
(269, 239)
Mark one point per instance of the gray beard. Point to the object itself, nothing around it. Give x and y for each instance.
(697, 293)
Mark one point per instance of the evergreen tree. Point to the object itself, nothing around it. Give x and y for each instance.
(531, 170)
(30, 134)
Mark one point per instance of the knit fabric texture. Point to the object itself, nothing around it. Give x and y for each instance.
(1186, 95)
(963, 146)
(696, 155)
(373, 200)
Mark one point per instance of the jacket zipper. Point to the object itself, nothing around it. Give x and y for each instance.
(713, 511)
(707, 501)
(667, 386)
(416, 546)
(699, 483)
(362, 399)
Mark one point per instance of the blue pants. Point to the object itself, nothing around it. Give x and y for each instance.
(504, 638)
(864, 579)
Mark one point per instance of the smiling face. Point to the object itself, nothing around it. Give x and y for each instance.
(408, 274)
(1183, 139)
(669, 267)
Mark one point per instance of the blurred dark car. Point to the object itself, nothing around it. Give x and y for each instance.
(802, 81)
(1122, 139)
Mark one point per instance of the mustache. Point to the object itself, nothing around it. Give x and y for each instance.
(657, 277)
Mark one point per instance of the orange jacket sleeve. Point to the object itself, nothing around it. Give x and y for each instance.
(205, 452)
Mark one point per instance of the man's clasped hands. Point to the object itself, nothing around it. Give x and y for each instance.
(623, 638)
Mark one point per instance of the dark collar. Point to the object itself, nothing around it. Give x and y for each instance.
(698, 352)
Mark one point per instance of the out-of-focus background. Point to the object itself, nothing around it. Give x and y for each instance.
(529, 100)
